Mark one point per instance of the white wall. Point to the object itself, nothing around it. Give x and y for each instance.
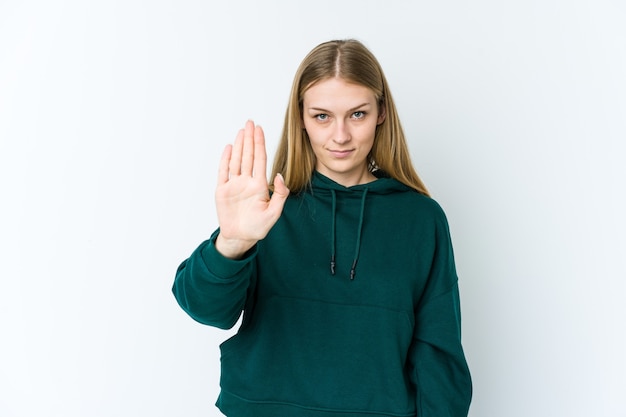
(112, 118)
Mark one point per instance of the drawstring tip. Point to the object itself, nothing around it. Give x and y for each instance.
(353, 270)
(332, 266)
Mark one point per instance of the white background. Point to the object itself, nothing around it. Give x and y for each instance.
(112, 118)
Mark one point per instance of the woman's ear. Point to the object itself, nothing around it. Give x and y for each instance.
(382, 113)
(382, 110)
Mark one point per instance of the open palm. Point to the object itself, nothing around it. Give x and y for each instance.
(245, 211)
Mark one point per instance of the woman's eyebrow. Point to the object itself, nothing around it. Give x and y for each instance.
(349, 110)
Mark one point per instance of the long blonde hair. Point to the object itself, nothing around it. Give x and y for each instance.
(351, 61)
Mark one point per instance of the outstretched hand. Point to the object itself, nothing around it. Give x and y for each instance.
(245, 211)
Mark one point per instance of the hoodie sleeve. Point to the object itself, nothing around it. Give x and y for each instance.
(440, 372)
(213, 289)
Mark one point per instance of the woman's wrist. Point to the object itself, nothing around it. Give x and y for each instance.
(232, 248)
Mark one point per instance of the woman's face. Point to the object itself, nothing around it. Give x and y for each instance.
(340, 119)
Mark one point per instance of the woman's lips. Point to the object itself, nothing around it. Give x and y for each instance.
(341, 153)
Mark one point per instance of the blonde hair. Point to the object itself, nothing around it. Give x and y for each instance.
(351, 61)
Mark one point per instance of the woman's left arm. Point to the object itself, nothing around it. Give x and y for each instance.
(440, 372)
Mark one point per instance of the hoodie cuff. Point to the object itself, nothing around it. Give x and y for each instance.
(220, 266)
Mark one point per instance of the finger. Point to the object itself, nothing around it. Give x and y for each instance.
(247, 156)
(222, 173)
(234, 166)
(279, 196)
(260, 156)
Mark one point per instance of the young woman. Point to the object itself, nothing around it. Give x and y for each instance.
(343, 267)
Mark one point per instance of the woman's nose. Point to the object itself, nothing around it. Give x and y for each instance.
(342, 133)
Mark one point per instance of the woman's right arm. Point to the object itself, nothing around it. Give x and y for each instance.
(213, 283)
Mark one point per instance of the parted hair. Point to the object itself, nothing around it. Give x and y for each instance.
(351, 61)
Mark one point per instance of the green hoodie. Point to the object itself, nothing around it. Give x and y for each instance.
(351, 308)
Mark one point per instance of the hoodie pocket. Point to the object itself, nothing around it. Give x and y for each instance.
(322, 355)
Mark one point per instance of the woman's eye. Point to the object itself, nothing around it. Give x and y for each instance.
(322, 117)
(358, 114)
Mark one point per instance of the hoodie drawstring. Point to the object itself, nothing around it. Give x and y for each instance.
(333, 236)
(358, 236)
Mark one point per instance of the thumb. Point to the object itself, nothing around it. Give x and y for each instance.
(279, 196)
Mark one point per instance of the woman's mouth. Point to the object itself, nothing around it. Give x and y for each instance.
(340, 154)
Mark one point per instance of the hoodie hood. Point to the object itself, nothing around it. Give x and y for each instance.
(323, 187)
(383, 184)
